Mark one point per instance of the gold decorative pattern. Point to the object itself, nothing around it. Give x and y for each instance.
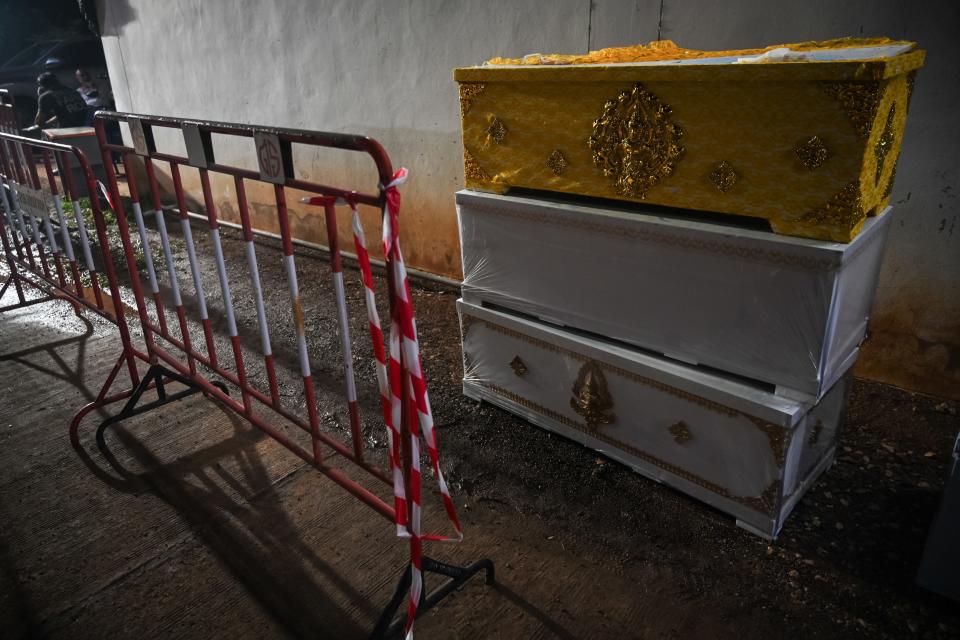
(812, 152)
(691, 244)
(843, 211)
(884, 143)
(635, 143)
(497, 130)
(680, 432)
(623, 373)
(723, 176)
(911, 80)
(469, 91)
(815, 432)
(557, 162)
(777, 437)
(767, 502)
(889, 188)
(518, 366)
(860, 100)
(591, 397)
(472, 169)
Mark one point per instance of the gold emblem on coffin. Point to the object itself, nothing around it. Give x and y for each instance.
(812, 152)
(518, 366)
(635, 143)
(680, 432)
(591, 397)
(724, 176)
(556, 162)
(497, 130)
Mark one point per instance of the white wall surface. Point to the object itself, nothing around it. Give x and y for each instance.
(384, 69)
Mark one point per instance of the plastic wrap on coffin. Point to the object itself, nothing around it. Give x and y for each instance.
(745, 451)
(788, 312)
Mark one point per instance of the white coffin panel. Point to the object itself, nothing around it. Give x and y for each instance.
(784, 311)
(740, 448)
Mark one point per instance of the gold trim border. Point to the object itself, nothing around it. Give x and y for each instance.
(776, 434)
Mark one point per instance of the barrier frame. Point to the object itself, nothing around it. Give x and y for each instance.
(29, 248)
(166, 367)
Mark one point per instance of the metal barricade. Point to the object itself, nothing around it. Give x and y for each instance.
(174, 349)
(50, 249)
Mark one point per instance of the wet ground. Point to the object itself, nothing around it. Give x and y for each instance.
(186, 522)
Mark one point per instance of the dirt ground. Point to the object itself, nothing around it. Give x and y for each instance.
(186, 522)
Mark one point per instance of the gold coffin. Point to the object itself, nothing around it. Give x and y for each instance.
(809, 146)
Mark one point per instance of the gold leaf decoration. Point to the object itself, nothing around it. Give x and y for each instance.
(812, 152)
(635, 143)
(723, 176)
(518, 366)
(845, 210)
(859, 99)
(557, 162)
(680, 432)
(469, 91)
(591, 397)
(497, 130)
(472, 169)
(884, 143)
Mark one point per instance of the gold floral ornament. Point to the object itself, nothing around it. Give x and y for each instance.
(635, 143)
(812, 152)
(518, 366)
(591, 397)
(497, 130)
(845, 210)
(557, 162)
(469, 91)
(681, 432)
(884, 143)
(859, 99)
(724, 177)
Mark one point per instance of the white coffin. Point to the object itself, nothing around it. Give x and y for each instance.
(744, 450)
(789, 312)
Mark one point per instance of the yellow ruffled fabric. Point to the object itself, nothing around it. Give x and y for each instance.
(668, 50)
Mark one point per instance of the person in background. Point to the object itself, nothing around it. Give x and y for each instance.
(58, 105)
(91, 95)
(89, 90)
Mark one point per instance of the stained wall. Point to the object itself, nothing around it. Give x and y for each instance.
(384, 69)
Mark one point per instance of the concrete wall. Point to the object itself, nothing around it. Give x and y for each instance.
(384, 69)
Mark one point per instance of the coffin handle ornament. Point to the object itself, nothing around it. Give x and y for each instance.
(635, 143)
(591, 397)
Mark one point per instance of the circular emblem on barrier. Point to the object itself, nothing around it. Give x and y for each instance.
(635, 143)
(269, 156)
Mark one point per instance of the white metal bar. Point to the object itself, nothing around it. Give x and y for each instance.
(194, 268)
(145, 243)
(258, 298)
(224, 283)
(168, 257)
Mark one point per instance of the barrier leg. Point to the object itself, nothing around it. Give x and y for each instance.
(157, 377)
(388, 628)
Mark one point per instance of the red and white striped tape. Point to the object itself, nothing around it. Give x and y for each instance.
(402, 361)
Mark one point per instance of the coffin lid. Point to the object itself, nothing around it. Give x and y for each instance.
(675, 377)
(823, 255)
(700, 71)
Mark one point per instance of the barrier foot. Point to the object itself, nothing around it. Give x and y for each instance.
(388, 628)
(157, 377)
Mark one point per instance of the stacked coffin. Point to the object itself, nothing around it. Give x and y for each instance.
(703, 351)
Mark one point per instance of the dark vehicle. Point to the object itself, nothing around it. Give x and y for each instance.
(61, 57)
